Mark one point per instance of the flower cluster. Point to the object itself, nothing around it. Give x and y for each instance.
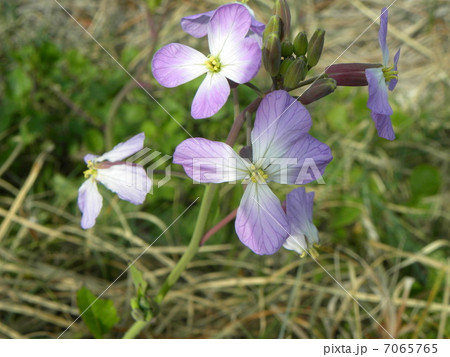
(233, 56)
(280, 148)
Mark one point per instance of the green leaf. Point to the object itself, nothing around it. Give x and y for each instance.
(94, 140)
(100, 317)
(425, 180)
(19, 83)
(138, 278)
(343, 216)
(337, 118)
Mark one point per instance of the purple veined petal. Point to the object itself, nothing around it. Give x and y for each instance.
(382, 35)
(176, 64)
(254, 36)
(241, 60)
(257, 27)
(129, 181)
(299, 208)
(196, 25)
(89, 157)
(211, 96)
(124, 150)
(90, 203)
(261, 223)
(280, 122)
(384, 126)
(230, 23)
(378, 94)
(311, 157)
(210, 161)
(393, 82)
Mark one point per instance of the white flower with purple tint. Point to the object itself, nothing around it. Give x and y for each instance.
(379, 80)
(197, 25)
(281, 146)
(232, 56)
(128, 180)
(303, 233)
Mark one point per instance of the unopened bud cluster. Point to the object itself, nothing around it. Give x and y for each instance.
(288, 62)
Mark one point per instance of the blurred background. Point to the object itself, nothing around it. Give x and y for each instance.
(383, 214)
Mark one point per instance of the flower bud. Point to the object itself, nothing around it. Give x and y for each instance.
(271, 54)
(349, 74)
(282, 10)
(300, 44)
(286, 48)
(319, 89)
(246, 152)
(272, 27)
(315, 47)
(285, 65)
(295, 73)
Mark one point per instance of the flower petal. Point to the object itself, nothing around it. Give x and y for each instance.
(257, 27)
(299, 207)
(123, 150)
(90, 203)
(210, 161)
(280, 122)
(196, 25)
(384, 126)
(129, 181)
(311, 157)
(393, 82)
(382, 35)
(176, 64)
(229, 24)
(261, 223)
(241, 60)
(378, 94)
(89, 157)
(211, 96)
(255, 37)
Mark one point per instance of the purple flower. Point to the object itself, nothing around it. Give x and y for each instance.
(379, 79)
(232, 56)
(281, 149)
(303, 233)
(197, 25)
(128, 180)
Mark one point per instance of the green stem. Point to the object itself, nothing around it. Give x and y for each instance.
(239, 121)
(135, 329)
(194, 244)
(180, 267)
(255, 88)
(309, 81)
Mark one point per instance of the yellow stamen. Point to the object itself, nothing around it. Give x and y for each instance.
(257, 175)
(91, 171)
(213, 63)
(389, 74)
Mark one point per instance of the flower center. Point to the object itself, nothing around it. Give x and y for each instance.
(389, 73)
(91, 171)
(258, 175)
(213, 63)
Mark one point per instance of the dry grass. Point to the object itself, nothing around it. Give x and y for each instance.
(227, 292)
